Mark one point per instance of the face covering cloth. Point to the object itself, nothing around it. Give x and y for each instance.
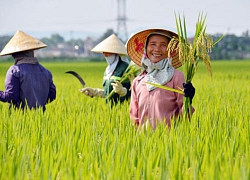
(158, 73)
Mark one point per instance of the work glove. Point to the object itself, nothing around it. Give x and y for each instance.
(119, 89)
(88, 91)
(189, 91)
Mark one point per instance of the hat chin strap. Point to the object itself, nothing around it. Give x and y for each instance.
(172, 54)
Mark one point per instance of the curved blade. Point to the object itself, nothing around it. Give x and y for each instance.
(77, 76)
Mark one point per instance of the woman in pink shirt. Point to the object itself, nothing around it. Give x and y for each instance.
(148, 49)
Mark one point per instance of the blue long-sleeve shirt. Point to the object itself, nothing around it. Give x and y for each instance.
(28, 85)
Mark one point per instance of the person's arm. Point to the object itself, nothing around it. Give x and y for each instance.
(178, 79)
(134, 106)
(187, 89)
(52, 92)
(121, 88)
(93, 92)
(12, 88)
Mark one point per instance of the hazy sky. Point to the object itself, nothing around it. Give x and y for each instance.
(94, 17)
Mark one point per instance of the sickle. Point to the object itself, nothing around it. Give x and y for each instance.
(77, 76)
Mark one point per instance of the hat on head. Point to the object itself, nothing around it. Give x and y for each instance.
(111, 44)
(21, 42)
(136, 43)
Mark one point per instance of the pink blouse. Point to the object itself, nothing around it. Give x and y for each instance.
(158, 104)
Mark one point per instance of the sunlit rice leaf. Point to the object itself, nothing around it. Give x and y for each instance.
(218, 39)
(165, 87)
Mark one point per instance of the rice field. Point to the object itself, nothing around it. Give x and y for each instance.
(82, 138)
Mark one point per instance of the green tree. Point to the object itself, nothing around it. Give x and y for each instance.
(3, 41)
(54, 40)
(108, 33)
(77, 44)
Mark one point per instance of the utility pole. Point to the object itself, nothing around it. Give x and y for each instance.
(121, 19)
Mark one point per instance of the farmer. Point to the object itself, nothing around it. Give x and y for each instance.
(149, 104)
(28, 84)
(114, 51)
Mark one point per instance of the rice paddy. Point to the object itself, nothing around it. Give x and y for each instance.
(79, 137)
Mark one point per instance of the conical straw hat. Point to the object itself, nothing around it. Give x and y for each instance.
(135, 45)
(111, 44)
(21, 42)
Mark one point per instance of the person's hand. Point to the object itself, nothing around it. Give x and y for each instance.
(88, 91)
(118, 88)
(91, 92)
(189, 91)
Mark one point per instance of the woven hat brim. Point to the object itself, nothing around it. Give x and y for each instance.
(111, 44)
(135, 46)
(21, 42)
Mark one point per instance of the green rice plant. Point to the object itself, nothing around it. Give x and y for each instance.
(190, 53)
(82, 138)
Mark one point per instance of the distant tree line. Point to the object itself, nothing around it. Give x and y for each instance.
(230, 47)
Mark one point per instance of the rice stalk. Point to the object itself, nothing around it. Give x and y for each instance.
(190, 53)
(130, 73)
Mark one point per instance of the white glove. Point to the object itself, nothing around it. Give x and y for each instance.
(88, 91)
(119, 89)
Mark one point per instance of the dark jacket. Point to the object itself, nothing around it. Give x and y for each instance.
(117, 74)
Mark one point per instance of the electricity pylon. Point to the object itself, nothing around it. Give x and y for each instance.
(121, 20)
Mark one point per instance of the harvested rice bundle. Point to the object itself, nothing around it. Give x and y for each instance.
(190, 53)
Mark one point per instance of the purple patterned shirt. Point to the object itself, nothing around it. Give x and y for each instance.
(28, 84)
